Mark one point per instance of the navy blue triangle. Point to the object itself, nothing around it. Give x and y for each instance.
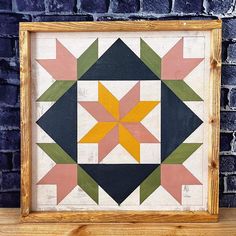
(60, 121)
(177, 121)
(119, 180)
(119, 62)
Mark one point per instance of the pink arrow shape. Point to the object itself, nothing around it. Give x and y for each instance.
(129, 100)
(173, 176)
(141, 133)
(98, 111)
(108, 143)
(64, 67)
(174, 66)
(64, 176)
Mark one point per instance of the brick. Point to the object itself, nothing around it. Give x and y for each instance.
(9, 23)
(10, 118)
(9, 73)
(228, 120)
(157, 6)
(112, 18)
(228, 75)
(232, 53)
(9, 76)
(234, 143)
(125, 6)
(225, 141)
(229, 29)
(13, 63)
(168, 17)
(231, 183)
(224, 101)
(221, 183)
(10, 140)
(5, 161)
(61, 5)
(5, 5)
(8, 94)
(17, 48)
(10, 180)
(10, 199)
(54, 18)
(188, 6)
(95, 6)
(143, 17)
(219, 6)
(7, 48)
(228, 200)
(16, 160)
(227, 163)
(224, 53)
(232, 98)
(29, 5)
(198, 17)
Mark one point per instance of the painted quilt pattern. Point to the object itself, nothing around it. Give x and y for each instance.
(119, 121)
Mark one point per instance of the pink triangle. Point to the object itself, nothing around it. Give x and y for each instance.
(64, 67)
(64, 176)
(173, 176)
(174, 66)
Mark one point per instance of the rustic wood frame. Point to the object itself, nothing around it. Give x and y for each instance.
(211, 215)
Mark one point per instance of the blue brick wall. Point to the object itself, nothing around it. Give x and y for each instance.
(14, 11)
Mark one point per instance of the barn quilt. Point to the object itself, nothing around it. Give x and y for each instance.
(118, 121)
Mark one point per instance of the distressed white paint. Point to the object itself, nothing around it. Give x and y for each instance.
(119, 88)
(150, 153)
(119, 155)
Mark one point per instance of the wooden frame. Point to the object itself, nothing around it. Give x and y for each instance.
(214, 27)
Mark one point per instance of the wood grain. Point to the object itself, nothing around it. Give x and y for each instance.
(119, 216)
(10, 225)
(25, 123)
(120, 26)
(214, 122)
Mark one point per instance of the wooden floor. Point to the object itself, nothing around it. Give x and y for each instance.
(10, 225)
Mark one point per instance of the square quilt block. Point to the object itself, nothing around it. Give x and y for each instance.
(119, 121)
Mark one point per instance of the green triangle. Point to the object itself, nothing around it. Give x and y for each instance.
(150, 184)
(87, 59)
(88, 184)
(182, 90)
(56, 153)
(182, 153)
(150, 58)
(55, 91)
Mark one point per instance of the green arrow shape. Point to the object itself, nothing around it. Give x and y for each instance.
(182, 153)
(182, 90)
(150, 58)
(55, 91)
(87, 59)
(150, 184)
(56, 153)
(87, 183)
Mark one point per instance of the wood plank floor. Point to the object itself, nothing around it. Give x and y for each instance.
(10, 225)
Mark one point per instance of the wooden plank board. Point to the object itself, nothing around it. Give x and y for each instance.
(120, 26)
(10, 225)
(214, 122)
(25, 123)
(121, 217)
